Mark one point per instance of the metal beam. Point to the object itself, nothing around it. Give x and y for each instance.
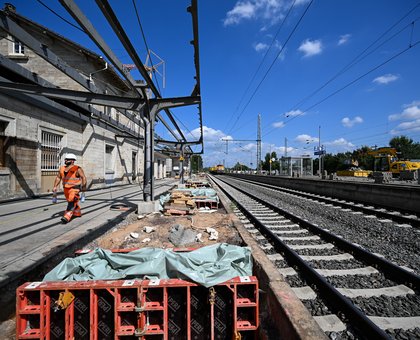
(193, 10)
(56, 108)
(80, 96)
(43, 51)
(90, 30)
(97, 98)
(122, 36)
(164, 103)
(168, 142)
(22, 72)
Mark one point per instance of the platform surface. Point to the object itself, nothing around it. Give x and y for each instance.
(31, 231)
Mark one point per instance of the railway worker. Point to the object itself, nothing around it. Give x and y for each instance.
(74, 182)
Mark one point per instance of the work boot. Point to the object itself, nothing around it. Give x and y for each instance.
(77, 212)
(67, 216)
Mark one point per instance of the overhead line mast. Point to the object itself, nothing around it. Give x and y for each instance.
(258, 140)
(259, 144)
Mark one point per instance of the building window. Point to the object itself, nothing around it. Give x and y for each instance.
(50, 151)
(18, 47)
(109, 158)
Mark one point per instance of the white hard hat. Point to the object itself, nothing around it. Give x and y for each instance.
(70, 156)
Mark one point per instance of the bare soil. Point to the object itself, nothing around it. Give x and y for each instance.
(131, 234)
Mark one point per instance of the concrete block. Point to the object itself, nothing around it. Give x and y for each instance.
(147, 207)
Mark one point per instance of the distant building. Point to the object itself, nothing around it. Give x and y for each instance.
(296, 166)
(36, 132)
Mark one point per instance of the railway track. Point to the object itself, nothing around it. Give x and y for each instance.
(351, 292)
(376, 210)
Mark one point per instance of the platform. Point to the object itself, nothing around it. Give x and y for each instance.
(31, 232)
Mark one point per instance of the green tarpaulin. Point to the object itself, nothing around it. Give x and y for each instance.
(206, 266)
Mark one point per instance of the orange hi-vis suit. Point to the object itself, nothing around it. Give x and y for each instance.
(72, 185)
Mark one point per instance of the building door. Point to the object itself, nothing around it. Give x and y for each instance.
(134, 165)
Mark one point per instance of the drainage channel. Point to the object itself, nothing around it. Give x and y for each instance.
(289, 240)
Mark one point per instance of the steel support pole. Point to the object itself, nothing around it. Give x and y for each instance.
(152, 153)
(181, 166)
(148, 172)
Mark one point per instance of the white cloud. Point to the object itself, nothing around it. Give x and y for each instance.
(242, 10)
(270, 11)
(411, 116)
(260, 47)
(347, 122)
(343, 39)
(306, 139)
(413, 103)
(339, 145)
(406, 126)
(210, 134)
(340, 142)
(310, 47)
(294, 113)
(409, 113)
(278, 124)
(385, 79)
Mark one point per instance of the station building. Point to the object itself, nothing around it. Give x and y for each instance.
(36, 132)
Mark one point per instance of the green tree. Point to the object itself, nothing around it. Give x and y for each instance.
(240, 167)
(361, 155)
(339, 161)
(196, 163)
(406, 146)
(266, 162)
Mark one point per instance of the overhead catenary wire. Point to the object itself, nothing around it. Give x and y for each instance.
(386, 136)
(150, 56)
(273, 62)
(61, 17)
(350, 83)
(362, 55)
(145, 42)
(262, 61)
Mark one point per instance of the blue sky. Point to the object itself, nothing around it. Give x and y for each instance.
(346, 69)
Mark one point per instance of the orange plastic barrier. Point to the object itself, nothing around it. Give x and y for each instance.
(137, 309)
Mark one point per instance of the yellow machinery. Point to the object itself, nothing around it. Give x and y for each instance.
(218, 169)
(353, 170)
(354, 173)
(386, 159)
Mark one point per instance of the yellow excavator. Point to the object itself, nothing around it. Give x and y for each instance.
(386, 159)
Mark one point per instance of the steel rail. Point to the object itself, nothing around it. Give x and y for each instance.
(384, 214)
(327, 291)
(392, 270)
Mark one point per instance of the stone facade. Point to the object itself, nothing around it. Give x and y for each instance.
(24, 126)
